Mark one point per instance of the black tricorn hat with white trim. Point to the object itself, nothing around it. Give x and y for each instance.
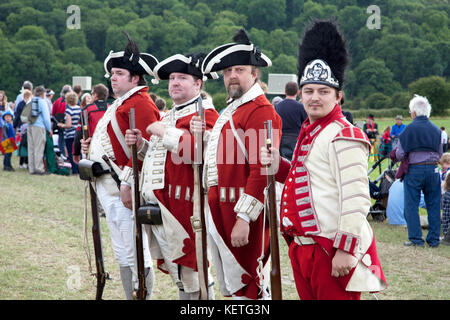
(239, 52)
(131, 59)
(188, 64)
(323, 55)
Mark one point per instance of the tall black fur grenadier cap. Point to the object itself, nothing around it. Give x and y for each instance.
(188, 64)
(323, 55)
(239, 52)
(131, 59)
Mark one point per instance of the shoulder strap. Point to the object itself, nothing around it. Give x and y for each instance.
(115, 124)
(238, 139)
(119, 135)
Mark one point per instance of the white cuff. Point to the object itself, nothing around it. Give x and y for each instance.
(143, 150)
(171, 139)
(124, 183)
(244, 217)
(249, 206)
(127, 175)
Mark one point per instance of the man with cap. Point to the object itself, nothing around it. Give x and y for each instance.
(234, 177)
(325, 199)
(127, 69)
(168, 177)
(397, 128)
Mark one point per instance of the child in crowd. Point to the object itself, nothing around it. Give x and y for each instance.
(445, 167)
(446, 210)
(8, 132)
(386, 144)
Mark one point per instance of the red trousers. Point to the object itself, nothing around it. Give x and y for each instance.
(311, 266)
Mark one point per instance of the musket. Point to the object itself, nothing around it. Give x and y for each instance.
(141, 293)
(275, 272)
(198, 217)
(101, 274)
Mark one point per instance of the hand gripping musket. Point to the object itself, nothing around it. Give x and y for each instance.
(198, 217)
(141, 293)
(101, 275)
(275, 273)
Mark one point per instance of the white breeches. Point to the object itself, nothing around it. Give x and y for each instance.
(121, 226)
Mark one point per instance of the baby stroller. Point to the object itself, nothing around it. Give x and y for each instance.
(379, 187)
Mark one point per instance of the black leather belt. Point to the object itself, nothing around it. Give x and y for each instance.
(424, 163)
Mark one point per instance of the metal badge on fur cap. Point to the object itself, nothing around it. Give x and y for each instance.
(131, 59)
(239, 52)
(188, 64)
(323, 55)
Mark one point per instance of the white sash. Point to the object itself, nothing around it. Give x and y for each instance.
(211, 176)
(155, 158)
(101, 142)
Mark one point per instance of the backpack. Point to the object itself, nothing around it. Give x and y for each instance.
(30, 114)
(95, 112)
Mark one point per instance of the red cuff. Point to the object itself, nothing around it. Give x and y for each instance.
(346, 242)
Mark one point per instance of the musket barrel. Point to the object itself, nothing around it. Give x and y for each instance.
(142, 290)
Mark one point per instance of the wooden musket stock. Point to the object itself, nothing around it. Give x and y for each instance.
(275, 272)
(101, 274)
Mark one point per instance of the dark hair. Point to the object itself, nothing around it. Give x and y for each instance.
(77, 89)
(39, 91)
(291, 88)
(342, 99)
(141, 82)
(160, 104)
(101, 91)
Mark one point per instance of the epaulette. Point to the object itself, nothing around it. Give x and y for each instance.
(351, 132)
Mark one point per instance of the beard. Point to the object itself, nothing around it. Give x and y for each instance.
(236, 91)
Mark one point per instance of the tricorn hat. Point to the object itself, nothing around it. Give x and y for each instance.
(188, 64)
(131, 59)
(239, 52)
(323, 56)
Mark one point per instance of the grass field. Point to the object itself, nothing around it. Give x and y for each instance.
(42, 256)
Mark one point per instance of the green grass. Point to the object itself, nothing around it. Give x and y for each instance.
(42, 256)
(384, 122)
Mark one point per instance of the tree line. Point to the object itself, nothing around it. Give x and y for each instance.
(408, 52)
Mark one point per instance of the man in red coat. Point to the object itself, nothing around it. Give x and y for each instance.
(234, 177)
(126, 69)
(325, 199)
(168, 178)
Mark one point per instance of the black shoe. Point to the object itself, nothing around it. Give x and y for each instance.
(412, 244)
(8, 169)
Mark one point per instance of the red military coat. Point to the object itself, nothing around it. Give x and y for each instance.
(146, 113)
(175, 191)
(111, 142)
(236, 187)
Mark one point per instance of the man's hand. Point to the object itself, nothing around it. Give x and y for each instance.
(134, 137)
(197, 125)
(342, 263)
(85, 145)
(126, 196)
(271, 159)
(156, 128)
(240, 232)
